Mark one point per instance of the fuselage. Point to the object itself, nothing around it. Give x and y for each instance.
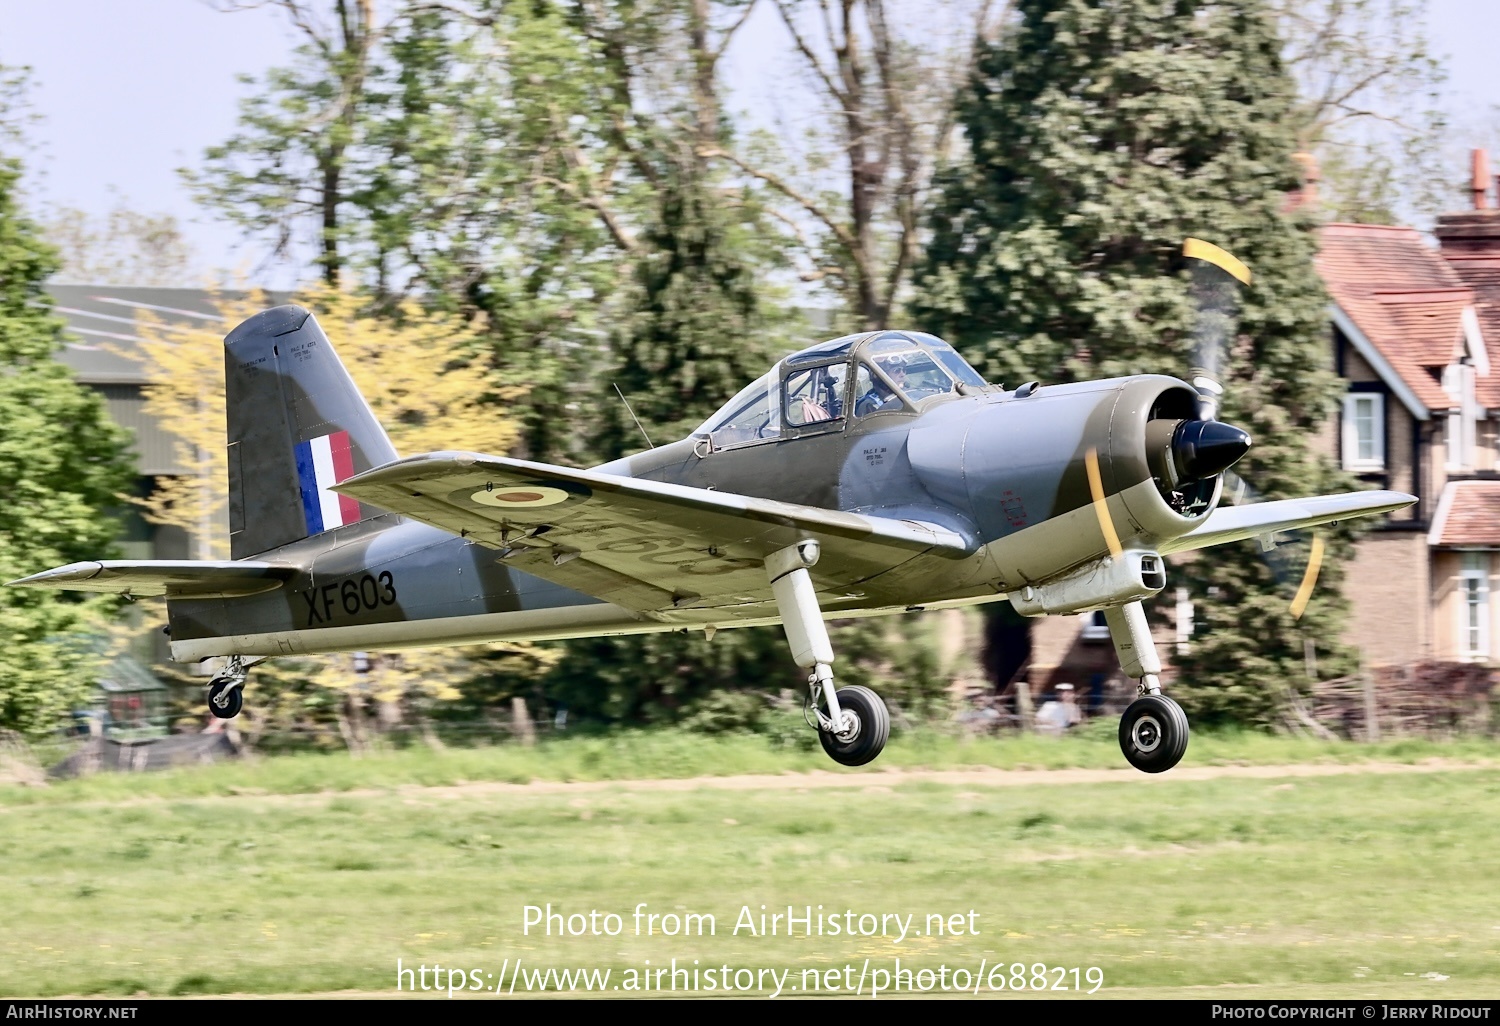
(1008, 474)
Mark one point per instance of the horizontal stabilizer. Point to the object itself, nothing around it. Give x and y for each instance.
(170, 577)
(1237, 523)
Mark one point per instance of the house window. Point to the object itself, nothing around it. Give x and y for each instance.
(1096, 627)
(1474, 606)
(1364, 431)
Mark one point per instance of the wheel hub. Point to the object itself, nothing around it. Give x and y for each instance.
(851, 727)
(1146, 734)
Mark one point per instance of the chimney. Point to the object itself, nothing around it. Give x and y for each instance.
(1307, 195)
(1471, 237)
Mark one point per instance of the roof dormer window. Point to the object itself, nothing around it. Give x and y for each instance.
(1460, 439)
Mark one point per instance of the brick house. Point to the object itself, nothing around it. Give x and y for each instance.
(1409, 326)
(1419, 415)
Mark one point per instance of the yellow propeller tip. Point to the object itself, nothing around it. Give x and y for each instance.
(1101, 504)
(1310, 578)
(1209, 253)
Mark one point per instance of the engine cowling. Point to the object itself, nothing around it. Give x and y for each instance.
(1022, 469)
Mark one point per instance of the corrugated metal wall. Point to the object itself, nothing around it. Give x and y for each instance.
(154, 447)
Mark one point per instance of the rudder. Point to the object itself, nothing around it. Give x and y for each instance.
(297, 425)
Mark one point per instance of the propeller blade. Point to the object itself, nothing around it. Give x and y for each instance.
(1309, 578)
(1276, 559)
(1211, 254)
(1217, 277)
(1101, 504)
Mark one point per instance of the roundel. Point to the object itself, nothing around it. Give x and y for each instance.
(522, 496)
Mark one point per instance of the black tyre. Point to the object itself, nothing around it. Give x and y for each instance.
(225, 698)
(870, 726)
(1153, 733)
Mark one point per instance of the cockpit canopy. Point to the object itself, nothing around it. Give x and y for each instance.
(856, 376)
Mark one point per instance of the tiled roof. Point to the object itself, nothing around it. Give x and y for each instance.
(103, 329)
(1403, 296)
(1468, 514)
(1471, 245)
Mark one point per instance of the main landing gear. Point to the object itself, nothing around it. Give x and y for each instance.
(856, 724)
(1154, 729)
(226, 691)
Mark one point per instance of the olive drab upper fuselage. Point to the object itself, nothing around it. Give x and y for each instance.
(833, 427)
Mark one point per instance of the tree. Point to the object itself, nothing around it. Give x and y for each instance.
(125, 247)
(424, 375)
(63, 467)
(293, 156)
(697, 331)
(693, 329)
(1368, 106)
(853, 191)
(454, 155)
(1101, 134)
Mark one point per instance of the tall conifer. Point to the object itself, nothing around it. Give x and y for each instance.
(1102, 133)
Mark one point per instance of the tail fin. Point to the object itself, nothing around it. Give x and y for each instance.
(297, 425)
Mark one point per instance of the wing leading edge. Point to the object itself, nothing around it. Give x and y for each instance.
(1237, 523)
(646, 545)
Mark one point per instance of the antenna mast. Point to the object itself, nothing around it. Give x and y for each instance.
(649, 444)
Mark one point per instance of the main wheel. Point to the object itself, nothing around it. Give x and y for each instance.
(225, 698)
(869, 725)
(1153, 733)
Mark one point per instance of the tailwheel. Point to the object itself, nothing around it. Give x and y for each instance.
(225, 697)
(1153, 733)
(866, 725)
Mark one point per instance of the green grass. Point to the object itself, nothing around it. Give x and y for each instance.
(666, 754)
(1359, 885)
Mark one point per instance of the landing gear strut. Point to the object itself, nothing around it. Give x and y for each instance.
(856, 725)
(1154, 729)
(226, 691)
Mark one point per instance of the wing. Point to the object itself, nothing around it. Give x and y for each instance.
(652, 547)
(173, 578)
(1236, 523)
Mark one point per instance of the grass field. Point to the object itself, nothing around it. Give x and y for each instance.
(255, 879)
(664, 754)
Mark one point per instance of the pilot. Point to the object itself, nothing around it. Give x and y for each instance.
(880, 397)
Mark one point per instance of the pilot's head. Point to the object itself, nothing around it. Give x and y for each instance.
(894, 367)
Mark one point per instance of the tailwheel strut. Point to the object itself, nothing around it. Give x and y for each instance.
(226, 691)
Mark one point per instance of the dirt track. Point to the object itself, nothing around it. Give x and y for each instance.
(980, 776)
(872, 781)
